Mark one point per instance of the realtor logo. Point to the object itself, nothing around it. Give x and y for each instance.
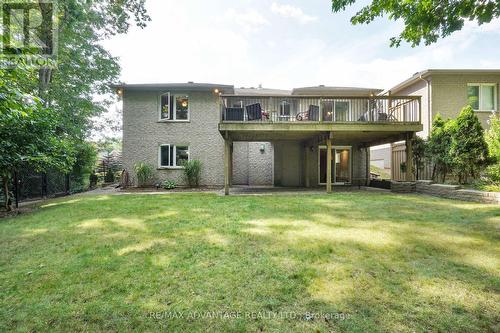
(29, 29)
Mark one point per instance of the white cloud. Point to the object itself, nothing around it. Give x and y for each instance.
(249, 19)
(293, 12)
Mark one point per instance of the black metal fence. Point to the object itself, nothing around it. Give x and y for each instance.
(28, 185)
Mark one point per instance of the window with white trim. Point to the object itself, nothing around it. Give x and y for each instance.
(284, 109)
(482, 96)
(173, 155)
(174, 107)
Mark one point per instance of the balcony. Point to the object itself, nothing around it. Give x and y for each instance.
(372, 120)
(311, 109)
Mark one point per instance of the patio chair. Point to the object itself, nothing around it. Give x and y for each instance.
(234, 114)
(312, 114)
(254, 111)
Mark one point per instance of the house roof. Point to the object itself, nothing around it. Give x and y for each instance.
(429, 72)
(322, 90)
(191, 86)
(261, 91)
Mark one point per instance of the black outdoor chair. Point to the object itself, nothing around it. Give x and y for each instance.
(254, 111)
(234, 114)
(313, 113)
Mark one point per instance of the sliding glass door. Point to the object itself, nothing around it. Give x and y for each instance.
(341, 165)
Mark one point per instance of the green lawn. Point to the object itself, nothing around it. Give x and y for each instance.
(360, 262)
(384, 174)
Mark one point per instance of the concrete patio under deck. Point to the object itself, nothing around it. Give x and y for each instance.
(271, 190)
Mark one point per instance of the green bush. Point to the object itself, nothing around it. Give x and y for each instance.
(468, 150)
(110, 176)
(438, 147)
(144, 173)
(492, 137)
(93, 179)
(168, 184)
(192, 172)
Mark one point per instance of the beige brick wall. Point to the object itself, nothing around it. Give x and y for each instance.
(251, 165)
(143, 133)
(449, 94)
(419, 88)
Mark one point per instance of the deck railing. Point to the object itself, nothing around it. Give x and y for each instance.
(376, 109)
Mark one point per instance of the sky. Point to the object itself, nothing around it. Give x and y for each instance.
(285, 44)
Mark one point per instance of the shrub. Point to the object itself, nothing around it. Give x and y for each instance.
(438, 147)
(93, 180)
(110, 176)
(402, 167)
(468, 150)
(168, 184)
(144, 173)
(192, 172)
(492, 137)
(419, 147)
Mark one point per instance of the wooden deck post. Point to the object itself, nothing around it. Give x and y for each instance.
(227, 162)
(409, 157)
(329, 164)
(306, 165)
(231, 153)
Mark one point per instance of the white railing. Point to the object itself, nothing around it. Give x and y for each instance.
(376, 109)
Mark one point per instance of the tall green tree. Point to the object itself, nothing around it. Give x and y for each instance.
(424, 20)
(438, 147)
(468, 149)
(85, 69)
(29, 132)
(47, 112)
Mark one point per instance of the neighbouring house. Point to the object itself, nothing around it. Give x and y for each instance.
(443, 91)
(258, 136)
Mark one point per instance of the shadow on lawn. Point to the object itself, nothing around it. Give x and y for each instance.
(394, 263)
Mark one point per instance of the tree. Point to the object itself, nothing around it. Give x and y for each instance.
(60, 119)
(438, 147)
(85, 160)
(468, 149)
(85, 69)
(492, 137)
(424, 20)
(419, 154)
(29, 132)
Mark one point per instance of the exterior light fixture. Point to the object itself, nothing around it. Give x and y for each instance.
(216, 90)
(119, 91)
(262, 148)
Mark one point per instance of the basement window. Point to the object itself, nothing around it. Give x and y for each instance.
(173, 156)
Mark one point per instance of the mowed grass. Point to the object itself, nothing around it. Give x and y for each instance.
(346, 262)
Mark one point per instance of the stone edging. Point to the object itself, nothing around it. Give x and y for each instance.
(456, 192)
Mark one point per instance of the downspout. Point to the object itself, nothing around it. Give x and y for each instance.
(429, 100)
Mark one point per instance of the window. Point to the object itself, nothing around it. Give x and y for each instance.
(342, 110)
(174, 107)
(482, 96)
(171, 156)
(336, 110)
(165, 103)
(284, 109)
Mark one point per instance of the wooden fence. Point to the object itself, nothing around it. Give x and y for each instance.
(398, 156)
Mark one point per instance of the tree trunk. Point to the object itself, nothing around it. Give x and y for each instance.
(5, 181)
(433, 177)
